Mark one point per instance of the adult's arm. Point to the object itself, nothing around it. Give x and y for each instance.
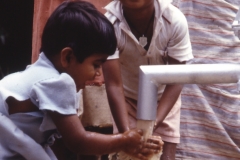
(114, 89)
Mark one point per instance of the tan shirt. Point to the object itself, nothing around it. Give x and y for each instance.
(170, 37)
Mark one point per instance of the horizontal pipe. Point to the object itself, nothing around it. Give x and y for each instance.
(152, 75)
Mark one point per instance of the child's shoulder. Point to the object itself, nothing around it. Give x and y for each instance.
(40, 74)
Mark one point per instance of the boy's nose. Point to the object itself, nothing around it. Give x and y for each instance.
(98, 71)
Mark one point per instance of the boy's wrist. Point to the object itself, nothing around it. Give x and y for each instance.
(126, 128)
(156, 124)
(121, 140)
(124, 140)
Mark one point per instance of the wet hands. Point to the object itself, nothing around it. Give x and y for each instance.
(134, 142)
(153, 145)
(137, 147)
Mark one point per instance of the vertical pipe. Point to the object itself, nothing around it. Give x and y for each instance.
(147, 98)
(147, 107)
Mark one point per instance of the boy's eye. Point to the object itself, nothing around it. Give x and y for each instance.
(97, 66)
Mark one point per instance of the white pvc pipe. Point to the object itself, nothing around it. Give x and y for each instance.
(152, 75)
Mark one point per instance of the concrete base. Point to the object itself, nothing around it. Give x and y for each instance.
(96, 111)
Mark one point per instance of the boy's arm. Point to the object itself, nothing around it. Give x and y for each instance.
(80, 141)
(89, 143)
(169, 97)
(113, 82)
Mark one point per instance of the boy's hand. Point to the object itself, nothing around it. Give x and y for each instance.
(153, 145)
(134, 143)
(136, 147)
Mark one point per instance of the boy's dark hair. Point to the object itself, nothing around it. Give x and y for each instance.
(80, 26)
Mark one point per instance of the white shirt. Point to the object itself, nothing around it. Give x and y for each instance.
(170, 37)
(47, 89)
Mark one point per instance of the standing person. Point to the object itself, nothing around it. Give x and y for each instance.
(42, 100)
(149, 32)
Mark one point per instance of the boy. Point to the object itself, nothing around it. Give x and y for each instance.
(43, 99)
(149, 32)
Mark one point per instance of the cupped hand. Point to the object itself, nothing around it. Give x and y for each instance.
(153, 145)
(134, 143)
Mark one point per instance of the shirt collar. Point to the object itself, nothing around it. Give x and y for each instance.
(43, 60)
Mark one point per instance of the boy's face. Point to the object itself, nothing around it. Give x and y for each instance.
(136, 4)
(87, 70)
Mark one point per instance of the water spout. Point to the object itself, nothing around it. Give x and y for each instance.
(151, 76)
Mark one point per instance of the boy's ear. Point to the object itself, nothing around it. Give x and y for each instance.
(66, 56)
